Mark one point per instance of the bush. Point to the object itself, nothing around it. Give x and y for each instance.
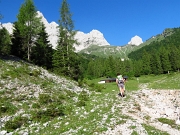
(35, 105)
(35, 73)
(12, 125)
(96, 87)
(44, 99)
(51, 112)
(7, 107)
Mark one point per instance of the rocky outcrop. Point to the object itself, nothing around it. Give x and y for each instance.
(94, 37)
(136, 40)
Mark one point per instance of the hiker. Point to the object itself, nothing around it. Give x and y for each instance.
(120, 83)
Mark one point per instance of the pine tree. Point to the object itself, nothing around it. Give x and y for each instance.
(137, 68)
(17, 48)
(5, 40)
(174, 58)
(91, 69)
(42, 51)
(29, 25)
(64, 56)
(146, 69)
(155, 63)
(164, 57)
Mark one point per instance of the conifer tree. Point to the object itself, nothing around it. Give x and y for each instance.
(174, 58)
(155, 63)
(164, 57)
(42, 51)
(146, 69)
(5, 42)
(110, 68)
(64, 56)
(29, 25)
(137, 68)
(17, 48)
(91, 69)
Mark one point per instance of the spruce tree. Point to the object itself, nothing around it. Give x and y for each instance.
(5, 42)
(137, 68)
(42, 51)
(17, 48)
(155, 63)
(174, 58)
(165, 62)
(146, 69)
(29, 25)
(64, 57)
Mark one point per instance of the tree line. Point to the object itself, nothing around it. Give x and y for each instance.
(159, 57)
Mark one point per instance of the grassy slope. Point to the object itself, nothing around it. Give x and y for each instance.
(83, 113)
(123, 51)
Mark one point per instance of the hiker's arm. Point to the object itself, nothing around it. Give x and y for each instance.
(116, 81)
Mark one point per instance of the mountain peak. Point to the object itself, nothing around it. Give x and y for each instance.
(136, 40)
(94, 37)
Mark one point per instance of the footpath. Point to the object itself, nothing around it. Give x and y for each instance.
(145, 107)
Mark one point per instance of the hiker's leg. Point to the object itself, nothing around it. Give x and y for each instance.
(122, 91)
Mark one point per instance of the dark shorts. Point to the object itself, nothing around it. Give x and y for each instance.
(121, 85)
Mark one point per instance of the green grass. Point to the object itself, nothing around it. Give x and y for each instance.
(153, 131)
(169, 122)
(66, 112)
(164, 81)
(131, 84)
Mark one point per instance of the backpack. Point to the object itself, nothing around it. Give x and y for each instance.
(120, 79)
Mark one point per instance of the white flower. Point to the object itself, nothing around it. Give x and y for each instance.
(92, 110)
(66, 123)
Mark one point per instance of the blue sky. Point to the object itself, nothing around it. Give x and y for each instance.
(118, 20)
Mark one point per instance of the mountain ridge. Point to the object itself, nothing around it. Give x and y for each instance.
(85, 40)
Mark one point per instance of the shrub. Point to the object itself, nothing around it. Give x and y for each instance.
(7, 107)
(51, 112)
(83, 97)
(44, 99)
(35, 105)
(12, 125)
(35, 73)
(96, 87)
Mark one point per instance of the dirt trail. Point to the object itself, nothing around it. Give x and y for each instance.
(145, 107)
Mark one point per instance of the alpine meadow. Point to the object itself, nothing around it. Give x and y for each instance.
(59, 91)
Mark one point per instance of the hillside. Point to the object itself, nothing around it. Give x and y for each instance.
(123, 51)
(169, 37)
(35, 101)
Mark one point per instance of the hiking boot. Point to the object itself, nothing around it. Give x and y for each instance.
(119, 94)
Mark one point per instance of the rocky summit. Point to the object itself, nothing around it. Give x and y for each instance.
(85, 40)
(136, 40)
(94, 37)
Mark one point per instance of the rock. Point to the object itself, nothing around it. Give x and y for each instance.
(169, 111)
(3, 132)
(136, 40)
